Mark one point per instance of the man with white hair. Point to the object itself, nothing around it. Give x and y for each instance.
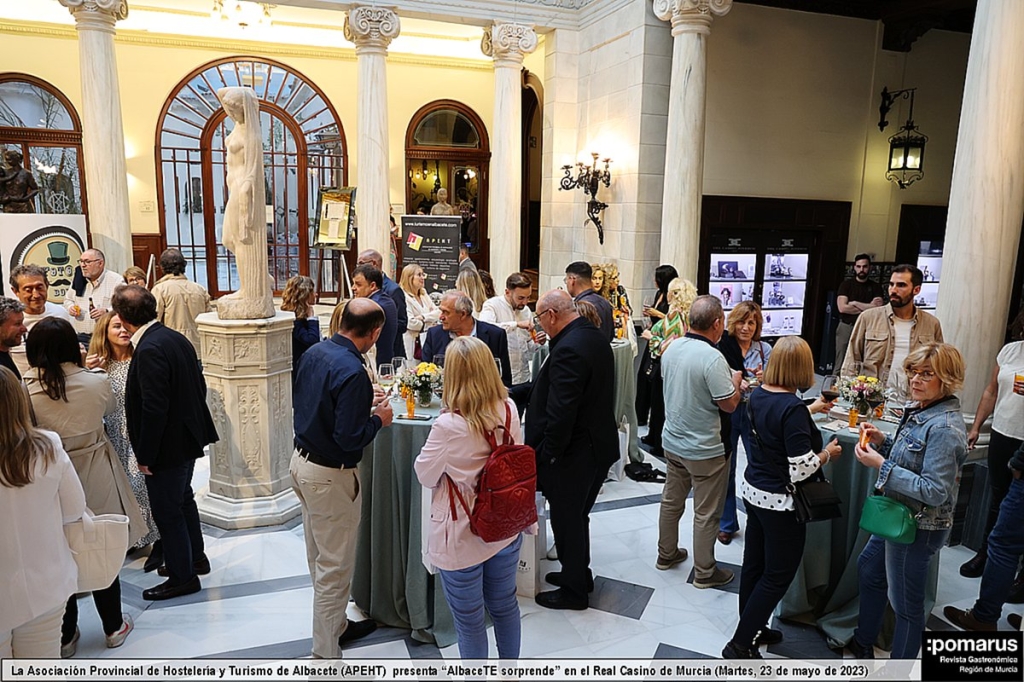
(94, 300)
(457, 320)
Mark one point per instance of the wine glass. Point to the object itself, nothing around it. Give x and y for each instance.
(439, 359)
(386, 375)
(399, 364)
(648, 305)
(830, 388)
(497, 361)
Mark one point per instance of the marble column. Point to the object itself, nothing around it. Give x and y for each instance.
(986, 198)
(507, 44)
(372, 29)
(684, 156)
(248, 369)
(102, 130)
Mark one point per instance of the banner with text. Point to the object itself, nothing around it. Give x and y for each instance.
(432, 242)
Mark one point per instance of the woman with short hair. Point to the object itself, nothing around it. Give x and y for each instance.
(422, 311)
(39, 493)
(919, 466)
(786, 449)
(135, 275)
(663, 275)
(475, 575)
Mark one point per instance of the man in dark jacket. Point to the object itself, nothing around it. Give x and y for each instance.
(368, 282)
(394, 292)
(457, 320)
(580, 286)
(169, 424)
(570, 422)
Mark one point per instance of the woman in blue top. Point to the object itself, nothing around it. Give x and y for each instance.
(919, 466)
(298, 297)
(785, 449)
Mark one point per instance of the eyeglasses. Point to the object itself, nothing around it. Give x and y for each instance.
(924, 375)
(83, 261)
(541, 315)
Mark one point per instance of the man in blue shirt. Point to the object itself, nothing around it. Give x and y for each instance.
(391, 288)
(368, 282)
(337, 414)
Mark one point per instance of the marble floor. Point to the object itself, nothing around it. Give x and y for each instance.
(256, 603)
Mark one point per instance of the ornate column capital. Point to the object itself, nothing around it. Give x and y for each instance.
(691, 16)
(371, 28)
(96, 15)
(508, 44)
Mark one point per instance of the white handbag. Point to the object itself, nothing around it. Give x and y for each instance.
(98, 544)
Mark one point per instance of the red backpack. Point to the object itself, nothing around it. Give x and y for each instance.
(505, 492)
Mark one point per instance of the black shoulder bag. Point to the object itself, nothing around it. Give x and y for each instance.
(814, 498)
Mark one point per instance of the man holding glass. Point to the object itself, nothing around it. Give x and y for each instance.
(513, 316)
(91, 301)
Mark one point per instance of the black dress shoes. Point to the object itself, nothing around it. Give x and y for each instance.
(200, 566)
(356, 629)
(166, 590)
(156, 557)
(859, 650)
(733, 650)
(768, 637)
(974, 567)
(561, 600)
(555, 578)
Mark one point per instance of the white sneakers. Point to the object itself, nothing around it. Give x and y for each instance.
(117, 639)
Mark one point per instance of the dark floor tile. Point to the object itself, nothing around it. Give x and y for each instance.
(733, 587)
(296, 648)
(620, 598)
(235, 591)
(669, 651)
(612, 505)
(801, 641)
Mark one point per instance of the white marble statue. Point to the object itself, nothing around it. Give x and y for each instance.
(245, 228)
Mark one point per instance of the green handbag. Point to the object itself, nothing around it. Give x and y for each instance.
(888, 519)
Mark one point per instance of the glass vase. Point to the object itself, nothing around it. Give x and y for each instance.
(425, 396)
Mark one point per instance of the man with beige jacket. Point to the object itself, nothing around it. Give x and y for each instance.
(179, 301)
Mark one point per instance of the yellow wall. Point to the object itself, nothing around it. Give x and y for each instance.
(149, 72)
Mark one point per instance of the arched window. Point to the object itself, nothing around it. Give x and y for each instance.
(304, 150)
(38, 121)
(446, 146)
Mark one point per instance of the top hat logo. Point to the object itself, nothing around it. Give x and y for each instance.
(58, 253)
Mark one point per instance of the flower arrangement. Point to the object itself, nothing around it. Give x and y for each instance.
(862, 392)
(420, 381)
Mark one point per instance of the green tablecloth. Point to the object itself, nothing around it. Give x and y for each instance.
(390, 582)
(625, 390)
(825, 588)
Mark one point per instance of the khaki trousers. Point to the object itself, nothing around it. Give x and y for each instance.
(330, 502)
(709, 480)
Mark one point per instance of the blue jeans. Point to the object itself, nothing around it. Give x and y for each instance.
(895, 573)
(740, 428)
(1005, 545)
(491, 584)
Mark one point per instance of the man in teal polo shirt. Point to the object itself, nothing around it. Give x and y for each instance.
(697, 383)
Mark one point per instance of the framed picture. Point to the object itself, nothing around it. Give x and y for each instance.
(729, 269)
(335, 226)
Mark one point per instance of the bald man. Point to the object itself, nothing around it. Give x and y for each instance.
(394, 292)
(570, 422)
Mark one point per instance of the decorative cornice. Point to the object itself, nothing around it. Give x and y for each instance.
(96, 15)
(235, 46)
(508, 44)
(371, 28)
(691, 16)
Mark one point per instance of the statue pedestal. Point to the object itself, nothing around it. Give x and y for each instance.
(248, 368)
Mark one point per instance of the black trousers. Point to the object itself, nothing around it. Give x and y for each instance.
(1000, 450)
(772, 552)
(520, 394)
(108, 605)
(177, 519)
(656, 422)
(571, 491)
(643, 388)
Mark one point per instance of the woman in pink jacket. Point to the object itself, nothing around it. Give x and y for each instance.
(474, 574)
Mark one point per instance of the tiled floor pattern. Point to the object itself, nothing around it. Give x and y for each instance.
(257, 600)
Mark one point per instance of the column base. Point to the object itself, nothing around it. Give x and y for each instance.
(255, 512)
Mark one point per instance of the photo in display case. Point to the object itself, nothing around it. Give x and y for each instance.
(783, 293)
(930, 264)
(732, 277)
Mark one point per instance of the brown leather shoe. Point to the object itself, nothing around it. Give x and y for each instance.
(965, 619)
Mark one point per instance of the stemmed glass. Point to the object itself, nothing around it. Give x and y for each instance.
(830, 388)
(497, 361)
(386, 376)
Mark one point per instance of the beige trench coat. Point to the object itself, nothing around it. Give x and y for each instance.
(79, 423)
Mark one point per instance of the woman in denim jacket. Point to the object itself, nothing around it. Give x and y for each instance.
(920, 467)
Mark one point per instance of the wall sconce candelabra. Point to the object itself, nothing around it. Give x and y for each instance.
(589, 179)
(906, 147)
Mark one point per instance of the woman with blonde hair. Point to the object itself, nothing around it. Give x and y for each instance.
(475, 575)
(469, 283)
(298, 297)
(919, 466)
(422, 311)
(135, 275)
(73, 401)
(787, 448)
(39, 493)
(111, 351)
(745, 352)
(681, 295)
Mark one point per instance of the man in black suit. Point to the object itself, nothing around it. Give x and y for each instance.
(570, 422)
(391, 288)
(169, 424)
(457, 320)
(368, 282)
(579, 285)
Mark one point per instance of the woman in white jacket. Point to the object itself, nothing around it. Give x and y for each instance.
(423, 313)
(39, 493)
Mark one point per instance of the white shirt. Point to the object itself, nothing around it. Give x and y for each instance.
(1008, 416)
(137, 336)
(100, 292)
(39, 572)
(18, 352)
(901, 348)
(521, 347)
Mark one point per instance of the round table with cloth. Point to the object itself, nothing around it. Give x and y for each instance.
(825, 589)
